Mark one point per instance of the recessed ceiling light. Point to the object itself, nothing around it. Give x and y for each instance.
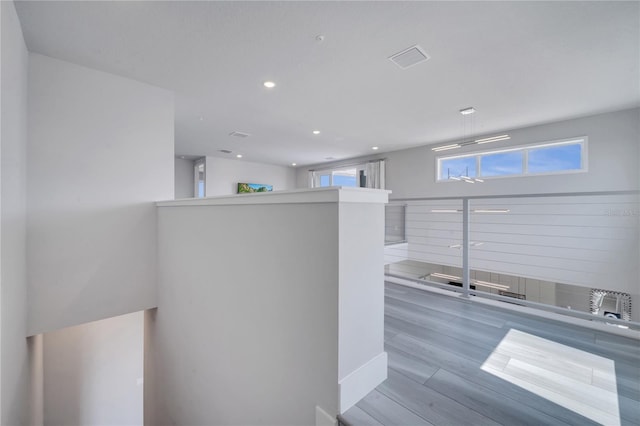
(467, 111)
(269, 84)
(239, 156)
(201, 118)
(316, 132)
(375, 148)
(294, 164)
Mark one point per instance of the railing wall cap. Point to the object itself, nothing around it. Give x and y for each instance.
(333, 194)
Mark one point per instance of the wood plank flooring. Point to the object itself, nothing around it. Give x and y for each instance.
(453, 362)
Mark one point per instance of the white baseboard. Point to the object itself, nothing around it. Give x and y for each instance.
(362, 381)
(324, 419)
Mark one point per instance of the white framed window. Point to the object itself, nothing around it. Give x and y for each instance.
(366, 175)
(343, 176)
(199, 178)
(555, 157)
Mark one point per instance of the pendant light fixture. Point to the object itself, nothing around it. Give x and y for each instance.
(467, 124)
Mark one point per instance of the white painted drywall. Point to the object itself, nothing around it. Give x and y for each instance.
(246, 329)
(224, 174)
(362, 360)
(150, 407)
(14, 365)
(613, 161)
(362, 295)
(100, 151)
(183, 178)
(251, 304)
(36, 382)
(93, 373)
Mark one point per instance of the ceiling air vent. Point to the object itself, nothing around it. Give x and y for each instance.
(409, 57)
(224, 151)
(239, 134)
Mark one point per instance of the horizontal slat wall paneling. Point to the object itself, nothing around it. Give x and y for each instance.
(429, 234)
(436, 258)
(394, 223)
(520, 247)
(589, 241)
(544, 240)
(503, 250)
(547, 274)
(560, 212)
(553, 220)
(550, 262)
(582, 232)
(446, 235)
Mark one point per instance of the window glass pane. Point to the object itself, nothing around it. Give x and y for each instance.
(501, 164)
(555, 158)
(199, 179)
(324, 180)
(456, 167)
(345, 178)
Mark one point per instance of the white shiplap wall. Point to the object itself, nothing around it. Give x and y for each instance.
(589, 241)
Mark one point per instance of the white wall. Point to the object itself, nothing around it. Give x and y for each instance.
(361, 239)
(14, 365)
(93, 373)
(150, 397)
(224, 174)
(36, 382)
(612, 152)
(245, 330)
(252, 301)
(100, 151)
(183, 178)
(361, 298)
(613, 161)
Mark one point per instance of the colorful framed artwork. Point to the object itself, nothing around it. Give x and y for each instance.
(245, 188)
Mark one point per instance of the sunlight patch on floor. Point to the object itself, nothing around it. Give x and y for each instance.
(574, 379)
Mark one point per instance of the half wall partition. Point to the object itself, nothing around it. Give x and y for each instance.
(270, 306)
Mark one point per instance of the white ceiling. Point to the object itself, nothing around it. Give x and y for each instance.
(517, 63)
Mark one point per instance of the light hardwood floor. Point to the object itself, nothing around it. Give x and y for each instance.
(453, 362)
